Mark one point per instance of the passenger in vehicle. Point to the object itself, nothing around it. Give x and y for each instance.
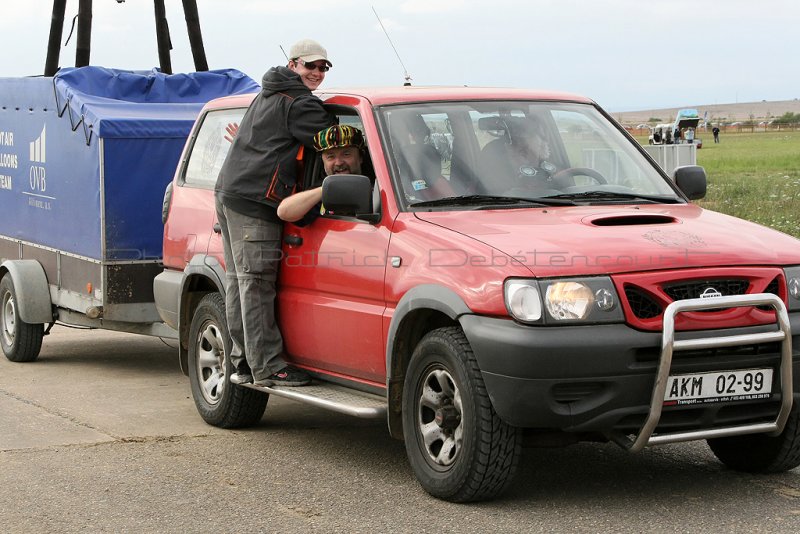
(519, 159)
(260, 171)
(418, 160)
(342, 152)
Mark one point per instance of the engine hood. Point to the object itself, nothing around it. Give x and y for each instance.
(587, 240)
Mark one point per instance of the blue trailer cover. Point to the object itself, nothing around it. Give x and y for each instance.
(86, 155)
(127, 104)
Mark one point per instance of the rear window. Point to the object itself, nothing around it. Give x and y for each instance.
(211, 146)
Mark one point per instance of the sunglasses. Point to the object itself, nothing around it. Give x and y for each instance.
(322, 67)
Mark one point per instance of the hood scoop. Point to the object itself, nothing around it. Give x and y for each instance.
(633, 220)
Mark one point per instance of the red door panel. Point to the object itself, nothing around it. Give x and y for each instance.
(331, 297)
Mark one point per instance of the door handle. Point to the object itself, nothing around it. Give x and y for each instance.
(293, 240)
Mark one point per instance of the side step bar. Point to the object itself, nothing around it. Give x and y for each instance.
(332, 397)
(669, 345)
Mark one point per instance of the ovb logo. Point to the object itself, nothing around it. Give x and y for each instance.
(38, 179)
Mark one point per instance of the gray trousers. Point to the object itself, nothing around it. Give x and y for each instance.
(252, 249)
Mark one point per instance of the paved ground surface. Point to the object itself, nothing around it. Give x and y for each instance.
(101, 435)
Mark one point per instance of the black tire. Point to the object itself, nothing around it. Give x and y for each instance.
(21, 341)
(470, 454)
(219, 402)
(761, 453)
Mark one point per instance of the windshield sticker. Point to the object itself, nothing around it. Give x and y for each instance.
(419, 185)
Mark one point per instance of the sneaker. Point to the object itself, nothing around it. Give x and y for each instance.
(241, 378)
(288, 376)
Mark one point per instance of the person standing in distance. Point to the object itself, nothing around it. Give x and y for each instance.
(259, 172)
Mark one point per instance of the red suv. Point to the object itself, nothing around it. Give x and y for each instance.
(511, 265)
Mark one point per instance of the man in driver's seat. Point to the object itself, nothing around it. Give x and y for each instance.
(342, 152)
(530, 151)
(520, 158)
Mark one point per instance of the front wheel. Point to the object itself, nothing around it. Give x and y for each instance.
(219, 402)
(21, 341)
(762, 453)
(459, 448)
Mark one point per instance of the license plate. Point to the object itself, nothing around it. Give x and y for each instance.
(724, 386)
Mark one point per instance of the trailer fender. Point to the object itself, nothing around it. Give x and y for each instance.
(33, 292)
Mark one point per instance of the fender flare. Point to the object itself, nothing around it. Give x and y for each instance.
(427, 297)
(207, 267)
(32, 290)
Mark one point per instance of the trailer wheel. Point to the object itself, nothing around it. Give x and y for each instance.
(458, 447)
(761, 453)
(21, 341)
(219, 402)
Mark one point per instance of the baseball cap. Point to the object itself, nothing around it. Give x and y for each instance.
(309, 50)
(337, 136)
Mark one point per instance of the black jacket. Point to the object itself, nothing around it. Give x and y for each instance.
(261, 167)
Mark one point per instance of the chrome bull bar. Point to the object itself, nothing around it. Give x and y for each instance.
(669, 345)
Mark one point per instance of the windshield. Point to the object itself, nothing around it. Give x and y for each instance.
(444, 152)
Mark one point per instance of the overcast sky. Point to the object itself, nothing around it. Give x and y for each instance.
(625, 54)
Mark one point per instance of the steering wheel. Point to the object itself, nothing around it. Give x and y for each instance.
(571, 172)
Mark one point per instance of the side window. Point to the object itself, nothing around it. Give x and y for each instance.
(211, 146)
(349, 117)
(347, 160)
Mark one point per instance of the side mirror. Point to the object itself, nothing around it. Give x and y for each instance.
(691, 180)
(349, 195)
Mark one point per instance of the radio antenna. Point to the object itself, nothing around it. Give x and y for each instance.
(405, 71)
(284, 52)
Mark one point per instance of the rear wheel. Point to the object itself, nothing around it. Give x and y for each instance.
(21, 341)
(219, 402)
(762, 453)
(458, 447)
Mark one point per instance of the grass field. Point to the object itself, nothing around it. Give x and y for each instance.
(754, 176)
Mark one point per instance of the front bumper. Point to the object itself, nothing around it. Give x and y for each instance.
(601, 378)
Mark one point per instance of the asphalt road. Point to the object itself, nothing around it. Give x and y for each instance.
(101, 435)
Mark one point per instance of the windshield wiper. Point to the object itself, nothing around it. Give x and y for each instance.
(614, 195)
(490, 200)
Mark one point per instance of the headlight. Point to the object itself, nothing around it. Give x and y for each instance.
(568, 300)
(793, 286)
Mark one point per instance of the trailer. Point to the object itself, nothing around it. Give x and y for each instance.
(85, 156)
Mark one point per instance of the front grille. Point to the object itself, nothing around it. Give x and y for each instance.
(649, 293)
(772, 288)
(695, 288)
(642, 305)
